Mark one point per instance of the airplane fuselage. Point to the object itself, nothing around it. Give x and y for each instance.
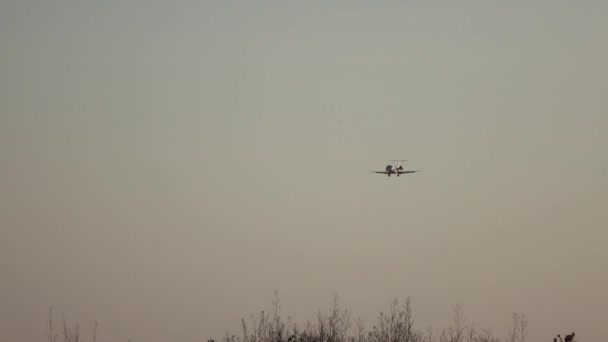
(391, 169)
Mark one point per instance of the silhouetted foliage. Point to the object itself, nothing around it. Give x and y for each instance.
(567, 338)
(395, 325)
(51, 325)
(69, 334)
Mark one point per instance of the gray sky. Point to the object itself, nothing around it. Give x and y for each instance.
(164, 166)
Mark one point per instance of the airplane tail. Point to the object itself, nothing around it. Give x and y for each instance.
(399, 167)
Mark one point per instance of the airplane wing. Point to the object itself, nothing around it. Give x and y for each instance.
(402, 172)
(384, 172)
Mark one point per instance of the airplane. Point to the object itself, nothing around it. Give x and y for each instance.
(397, 170)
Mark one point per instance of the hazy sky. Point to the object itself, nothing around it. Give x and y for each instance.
(166, 165)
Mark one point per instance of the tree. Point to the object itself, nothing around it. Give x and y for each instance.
(70, 335)
(518, 328)
(396, 325)
(51, 334)
(488, 336)
(456, 333)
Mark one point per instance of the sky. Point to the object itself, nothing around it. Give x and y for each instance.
(166, 165)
